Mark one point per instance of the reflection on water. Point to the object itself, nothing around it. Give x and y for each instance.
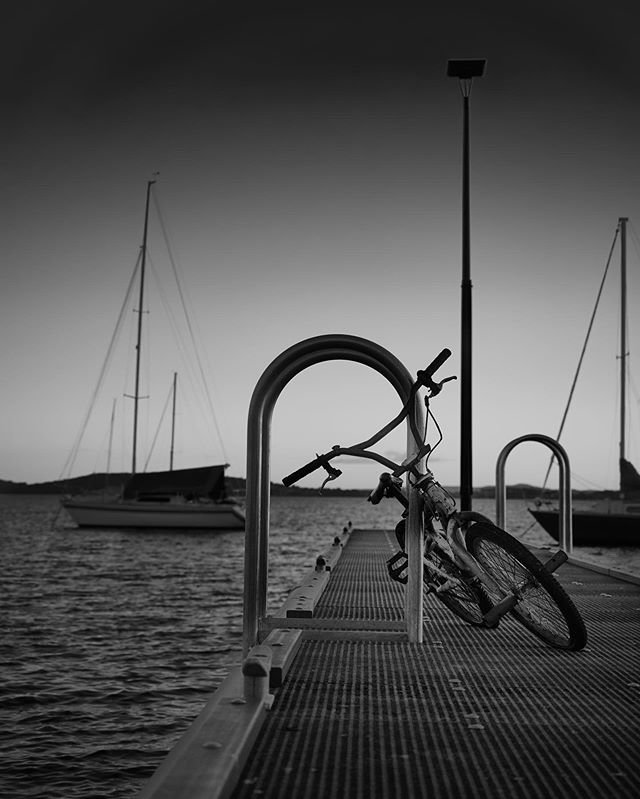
(111, 641)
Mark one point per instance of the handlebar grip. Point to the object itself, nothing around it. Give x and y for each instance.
(379, 491)
(303, 471)
(436, 363)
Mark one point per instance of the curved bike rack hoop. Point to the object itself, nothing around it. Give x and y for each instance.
(564, 503)
(268, 388)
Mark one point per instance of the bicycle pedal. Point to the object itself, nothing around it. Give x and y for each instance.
(554, 562)
(493, 616)
(396, 565)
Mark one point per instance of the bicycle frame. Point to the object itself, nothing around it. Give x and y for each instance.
(443, 507)
(431, 495)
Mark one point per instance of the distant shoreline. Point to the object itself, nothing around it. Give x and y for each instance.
(112, 484)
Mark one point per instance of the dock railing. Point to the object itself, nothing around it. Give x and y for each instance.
(565, 537)
(269, 387)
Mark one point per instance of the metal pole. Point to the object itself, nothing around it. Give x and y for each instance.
(136, 394)
(465, 70)
(623, 338)
(173, 421)
(466, 468)
(113, 416)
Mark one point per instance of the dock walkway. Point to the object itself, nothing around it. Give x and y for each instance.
(469, 713)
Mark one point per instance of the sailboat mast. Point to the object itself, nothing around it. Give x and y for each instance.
(143, 261)
(173, 421)
(623, 338)
(113, 416)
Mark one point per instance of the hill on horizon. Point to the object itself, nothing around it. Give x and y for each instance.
(112, 484)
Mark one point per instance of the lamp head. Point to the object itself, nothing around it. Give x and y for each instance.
(466, 68)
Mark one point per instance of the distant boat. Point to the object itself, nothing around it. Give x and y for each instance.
(616, 521)
(174, 499)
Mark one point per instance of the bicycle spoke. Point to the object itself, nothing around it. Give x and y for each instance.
(534, 603)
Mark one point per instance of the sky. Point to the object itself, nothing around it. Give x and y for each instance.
(309, 160)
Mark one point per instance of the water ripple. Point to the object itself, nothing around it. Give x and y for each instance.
(112, 641)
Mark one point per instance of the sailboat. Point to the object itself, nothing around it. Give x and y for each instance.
(614, 521)
(176, 499)
(182, 499)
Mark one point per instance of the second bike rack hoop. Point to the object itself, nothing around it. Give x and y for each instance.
(565, 535)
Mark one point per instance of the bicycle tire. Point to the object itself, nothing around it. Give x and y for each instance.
(466, 600)
(543, 606)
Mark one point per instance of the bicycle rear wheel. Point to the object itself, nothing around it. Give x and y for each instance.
(463, 595)
(543, 606)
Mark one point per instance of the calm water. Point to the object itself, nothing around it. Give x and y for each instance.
(111, 642)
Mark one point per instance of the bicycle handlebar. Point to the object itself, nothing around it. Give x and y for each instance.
(424, 378)
(425, 375)
(388, 486)
(308, 468)
(379, 491)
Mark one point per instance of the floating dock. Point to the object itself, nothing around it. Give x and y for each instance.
(336, 702)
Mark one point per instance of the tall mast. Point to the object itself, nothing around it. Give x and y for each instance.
(136, 395)
(113, 416)
(623, 337)
(173, 421)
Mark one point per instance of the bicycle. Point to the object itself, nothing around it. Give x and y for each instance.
(480, 572)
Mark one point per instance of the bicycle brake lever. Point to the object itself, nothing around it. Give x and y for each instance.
(332, 474)
(409, 463)
(436, 388)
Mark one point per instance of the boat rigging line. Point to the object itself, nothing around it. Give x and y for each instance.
(73, 453)
(187, 317)
(582, 353)
(170, 396)
(189, 349)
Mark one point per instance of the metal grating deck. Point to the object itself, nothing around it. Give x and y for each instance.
(360, 587)
(469, 713)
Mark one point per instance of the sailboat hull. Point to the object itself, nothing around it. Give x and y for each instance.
(593, 528)
(156, 515)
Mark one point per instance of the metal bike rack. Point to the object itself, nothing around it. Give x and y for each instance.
(268, 388)
(564, 504)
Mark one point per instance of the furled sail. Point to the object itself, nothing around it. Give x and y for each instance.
(629, 480)
(207, 481)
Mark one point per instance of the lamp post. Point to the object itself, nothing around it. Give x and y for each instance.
(465, 70)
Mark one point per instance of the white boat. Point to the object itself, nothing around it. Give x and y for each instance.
(175, 499)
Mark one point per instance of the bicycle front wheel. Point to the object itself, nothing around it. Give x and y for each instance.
(543, 605)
